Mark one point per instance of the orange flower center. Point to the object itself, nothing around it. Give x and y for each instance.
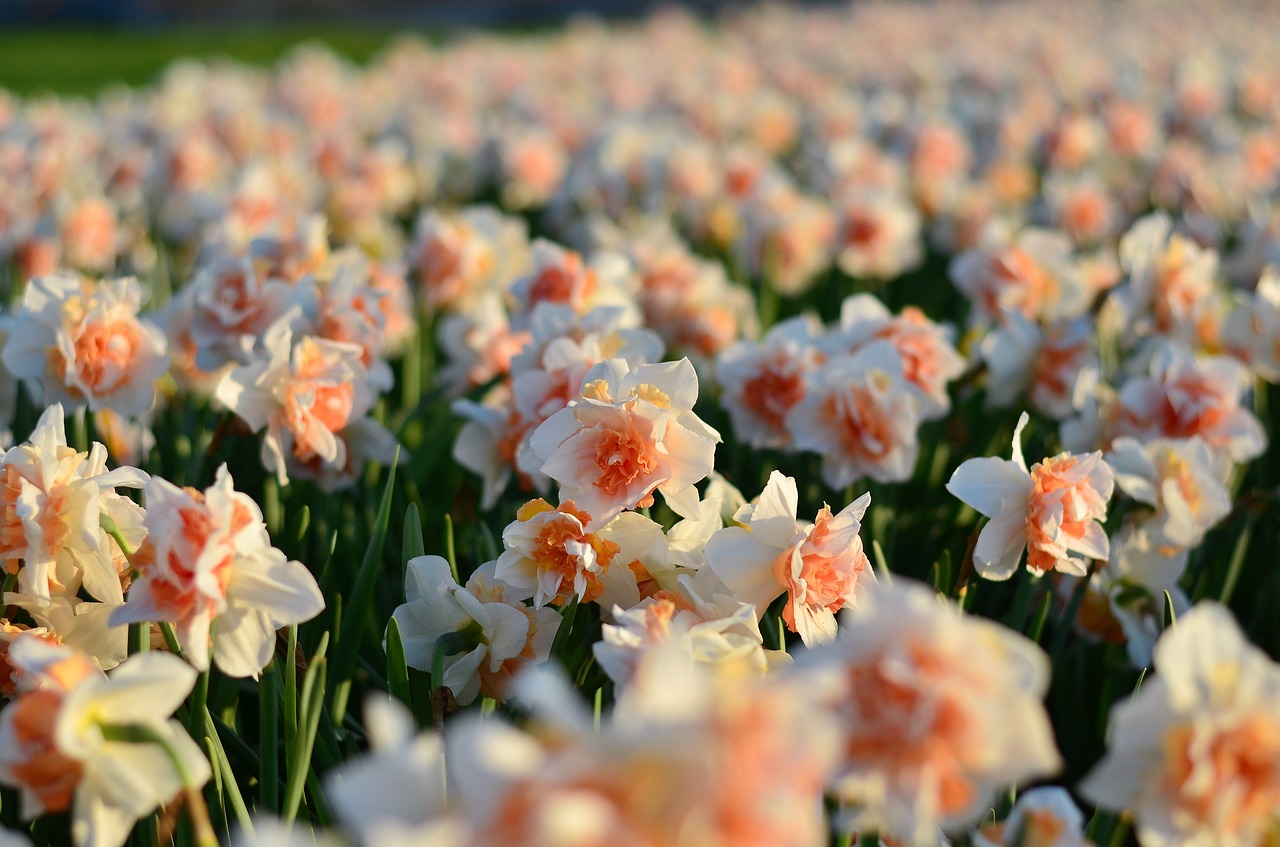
(622, 457)
(105, 350)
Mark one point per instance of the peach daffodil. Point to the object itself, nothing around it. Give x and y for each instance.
(82, 343)
(103, 747)
(208, 566)
(631, 431)
(1054, 509)
(820, 567)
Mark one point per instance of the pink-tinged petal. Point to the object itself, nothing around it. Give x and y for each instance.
(815, 625)
(238, 392)
(553, 432)
(573, 462)
(773, 518)
(856, 510)
(1093, 542)
(284, 590)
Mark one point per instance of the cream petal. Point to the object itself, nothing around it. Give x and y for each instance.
(1000, 545)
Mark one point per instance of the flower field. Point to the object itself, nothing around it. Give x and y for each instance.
(812, 426)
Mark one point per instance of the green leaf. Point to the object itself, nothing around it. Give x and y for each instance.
(450, 553)
(561, 642)
(290, 693)
(269, 738)
(360, 601)
(313, 689)
(299, 525)
(412, 545)
(397, 665)
(1037, 627)
(882, 563)
(1237, 562)
(230, 788)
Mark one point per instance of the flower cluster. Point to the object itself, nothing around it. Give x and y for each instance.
(688, 354)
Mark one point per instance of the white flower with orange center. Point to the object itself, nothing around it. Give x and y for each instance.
(630, 433)
(308, 394)
(1041, 363)
(761, 382)
(929, 361)
(1033, 275)
(718, 630)
(515, 791)
(788, 238)
(1183, 397)
(1055, 509)
(103, 747)
(761, 749)
(349, 311)
(90, 234)
(81, 342)
(861, 415)
(478, 635)
(551, 557)
(1194, 755)
(690, 300)
(455, 256)
(53, 501)
(1182, 479)
(232, 305)
(940, 710)
(1172, 281)
(820, 567)
(558, 276)
(398, 786)
(1041, 817)
(207, 565)
(878, 236)
(1255, 336)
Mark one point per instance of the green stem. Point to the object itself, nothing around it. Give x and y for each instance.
(111, 528)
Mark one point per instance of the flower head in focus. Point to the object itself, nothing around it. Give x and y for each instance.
(312, 396)
(1053, 510)
(631, 432)
(820, 567)
(53, 503)
(207, 562)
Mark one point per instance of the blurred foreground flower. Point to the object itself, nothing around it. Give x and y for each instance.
(940, 710)
(1195, 754)
(103, 747)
